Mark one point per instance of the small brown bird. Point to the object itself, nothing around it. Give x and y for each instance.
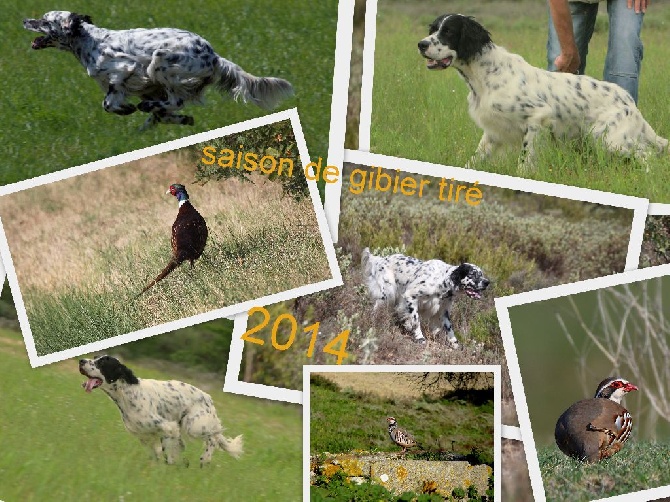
(400, 436)
(189, 234)
(594, 429)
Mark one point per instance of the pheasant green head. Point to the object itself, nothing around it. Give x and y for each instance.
(178, 191)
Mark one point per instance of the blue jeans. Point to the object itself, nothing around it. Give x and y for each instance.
(624, 47)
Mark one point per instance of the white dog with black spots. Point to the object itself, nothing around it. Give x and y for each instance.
(511, 101)
(166, 68)
(160, 412)
(419, 289)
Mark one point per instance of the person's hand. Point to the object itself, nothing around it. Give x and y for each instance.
(639, 5)
(568, 61)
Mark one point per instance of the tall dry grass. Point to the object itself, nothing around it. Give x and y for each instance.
(84, 247)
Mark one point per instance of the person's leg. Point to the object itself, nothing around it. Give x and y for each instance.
(624, 48)
(583, 22)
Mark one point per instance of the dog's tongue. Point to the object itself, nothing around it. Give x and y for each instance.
(91, 384)
(441, 64)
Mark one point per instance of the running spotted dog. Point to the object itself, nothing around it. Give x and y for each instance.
(159, 412)
(166, 68)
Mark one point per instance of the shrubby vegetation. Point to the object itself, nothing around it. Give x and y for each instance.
(656, 243)
(273, 140)
(522, 241)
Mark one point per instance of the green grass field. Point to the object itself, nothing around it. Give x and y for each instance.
(60, 443)
(638, 466)
(435, 422)
(433, 124)
(53, 117)
(79, 283)
(448, 424)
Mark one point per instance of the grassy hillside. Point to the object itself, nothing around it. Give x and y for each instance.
(79, 283)
(462, 417)
(54, 114)
(433, 124)
(60, 443)
(638, 466)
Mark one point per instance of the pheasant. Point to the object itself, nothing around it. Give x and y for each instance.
(189, 234)
(594, 429)
(400, 436)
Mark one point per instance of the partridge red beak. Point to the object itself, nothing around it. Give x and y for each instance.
(630, 387)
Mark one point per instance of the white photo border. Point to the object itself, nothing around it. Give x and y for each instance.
(340, 100)
(390, 368)
(336, 280)
(659, 209)
(639, 207)
(502, 308)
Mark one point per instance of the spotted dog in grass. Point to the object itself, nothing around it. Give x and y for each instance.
(512, 101)
(160, 412)
(421, 290)
(166, 68)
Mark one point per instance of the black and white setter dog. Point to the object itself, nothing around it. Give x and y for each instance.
(512, 101)
(160, 412)
(420, 289)
(165, 67)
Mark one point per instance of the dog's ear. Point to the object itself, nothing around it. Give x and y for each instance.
(435, 25)
(112, 369)
(128, 376)
(76, 20)
(460, 273)
(473, 39)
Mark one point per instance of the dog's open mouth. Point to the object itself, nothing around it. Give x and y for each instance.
(91, 384)
(441, 64)
(40, 43)
(473, 293)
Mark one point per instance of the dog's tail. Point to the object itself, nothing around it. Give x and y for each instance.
(366, 262)
(379, 280)
(651, 139)
(233, 446)
(266, 92)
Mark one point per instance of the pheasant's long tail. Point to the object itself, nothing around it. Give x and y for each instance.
(169, 268)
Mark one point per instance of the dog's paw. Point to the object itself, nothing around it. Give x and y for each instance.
(126, 109)
(526, 165)
(420, 341)
(151, 121)
(146, 106)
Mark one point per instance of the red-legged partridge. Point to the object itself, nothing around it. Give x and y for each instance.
(594, 429)
(400, 436)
